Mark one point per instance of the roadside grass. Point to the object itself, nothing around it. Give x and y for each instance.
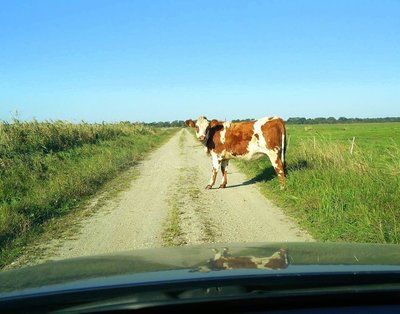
(336, 195)
(48, 170)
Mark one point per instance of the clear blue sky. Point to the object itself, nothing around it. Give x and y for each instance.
(170, 60)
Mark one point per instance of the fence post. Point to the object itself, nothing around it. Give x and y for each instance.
(352, 145)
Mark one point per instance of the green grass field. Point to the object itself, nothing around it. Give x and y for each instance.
(338, 195)
(48, 169)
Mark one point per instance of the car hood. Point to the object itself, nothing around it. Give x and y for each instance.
(200, 261)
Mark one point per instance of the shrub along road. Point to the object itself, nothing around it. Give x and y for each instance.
(167, 205)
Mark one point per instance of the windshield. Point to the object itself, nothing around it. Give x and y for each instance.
(263, 132)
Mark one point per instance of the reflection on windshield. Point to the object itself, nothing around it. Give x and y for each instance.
(223, 261)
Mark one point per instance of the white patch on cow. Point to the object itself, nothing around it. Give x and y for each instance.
(217, 255)
(223, 132)
(259, 262)
(253, 149)
(225, 265)
(257, 130)
(215, 164)
(222, 136)
(257, 147)
(273, 156)
(283, 148)
(215, 160)
(255, 260)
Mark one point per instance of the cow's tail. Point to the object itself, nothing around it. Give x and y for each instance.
(283, 150)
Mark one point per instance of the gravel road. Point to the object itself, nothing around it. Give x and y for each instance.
(173, 178)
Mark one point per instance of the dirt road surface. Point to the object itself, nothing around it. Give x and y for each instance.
(167, 204)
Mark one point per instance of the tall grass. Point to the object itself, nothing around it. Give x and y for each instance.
(47, 137)
(47, 169)
(336, 195)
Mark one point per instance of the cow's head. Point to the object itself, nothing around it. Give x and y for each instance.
(202, 127)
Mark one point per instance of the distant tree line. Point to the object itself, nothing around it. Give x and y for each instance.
(332, 120)
(294, 120)
(167, 124)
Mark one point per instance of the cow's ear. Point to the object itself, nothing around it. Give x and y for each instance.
(190, 123)
(214, 123)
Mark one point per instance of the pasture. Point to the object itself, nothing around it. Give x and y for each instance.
(337, 192)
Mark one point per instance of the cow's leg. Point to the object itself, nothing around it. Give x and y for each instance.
(216, 164)
(280, 172)
(224, 170)
(274, 157)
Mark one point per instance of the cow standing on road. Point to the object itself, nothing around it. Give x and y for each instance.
(247, 140)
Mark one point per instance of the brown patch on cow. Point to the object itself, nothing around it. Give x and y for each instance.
(214, 123)
(234, 263)
(237, 138)
(279, 262)
(190, 123)
(273, 131)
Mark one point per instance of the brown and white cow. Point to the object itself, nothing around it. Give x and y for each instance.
(247, 140)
